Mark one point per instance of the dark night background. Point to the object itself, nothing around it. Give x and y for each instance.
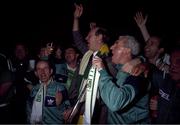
(32, 22)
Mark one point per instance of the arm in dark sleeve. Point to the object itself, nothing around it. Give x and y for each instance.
(79, 42)
(155, 76)
(140, 84)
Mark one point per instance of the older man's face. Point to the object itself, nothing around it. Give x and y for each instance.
(119, 52)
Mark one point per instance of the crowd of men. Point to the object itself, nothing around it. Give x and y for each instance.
(90, 82)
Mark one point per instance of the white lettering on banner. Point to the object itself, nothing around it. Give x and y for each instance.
(91, 94)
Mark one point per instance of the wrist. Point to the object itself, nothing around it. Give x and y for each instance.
(76, 18)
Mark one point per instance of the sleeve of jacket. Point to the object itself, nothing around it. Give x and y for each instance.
(115, 97)
(79, 42)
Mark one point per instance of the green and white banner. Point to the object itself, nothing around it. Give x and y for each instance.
(91, 94)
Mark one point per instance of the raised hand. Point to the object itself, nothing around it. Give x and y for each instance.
(140, 20)
(49, 48)
(78, 11)
(92, 25)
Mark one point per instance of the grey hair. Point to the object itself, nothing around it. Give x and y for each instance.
(131, 43)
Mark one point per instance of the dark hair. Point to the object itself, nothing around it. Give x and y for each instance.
(76, 50)
(56, 47)
(161, 40)
(73, 47)
(161, 44)
(46, 61)
(23, 45)
(53, 54)
(104, 33)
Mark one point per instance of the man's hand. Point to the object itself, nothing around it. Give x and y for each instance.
(135, 67)
(49, 48)
(92, 25)
(128, 67)
(29, 86)
(67, 113)
(59, 97)
(78, 11)
(97, 62)
(139, 69)
(140, 20)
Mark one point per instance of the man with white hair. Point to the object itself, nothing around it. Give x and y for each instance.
(127, 98)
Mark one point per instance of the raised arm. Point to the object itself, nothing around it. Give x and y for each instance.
(141, 23)
(77, 37)
(77, 14)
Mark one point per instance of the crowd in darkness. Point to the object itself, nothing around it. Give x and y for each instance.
(89, 64)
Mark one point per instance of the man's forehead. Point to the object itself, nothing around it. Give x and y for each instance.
(154, 40)
(42, 63)
(120, 41)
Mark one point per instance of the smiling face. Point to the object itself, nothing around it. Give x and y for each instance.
(175, 65)
(43, 71)
(70, 55)
(152, 47)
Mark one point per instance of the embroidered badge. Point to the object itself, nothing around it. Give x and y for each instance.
(50, 101)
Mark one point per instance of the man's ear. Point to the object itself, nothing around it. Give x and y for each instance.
(99, 37)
